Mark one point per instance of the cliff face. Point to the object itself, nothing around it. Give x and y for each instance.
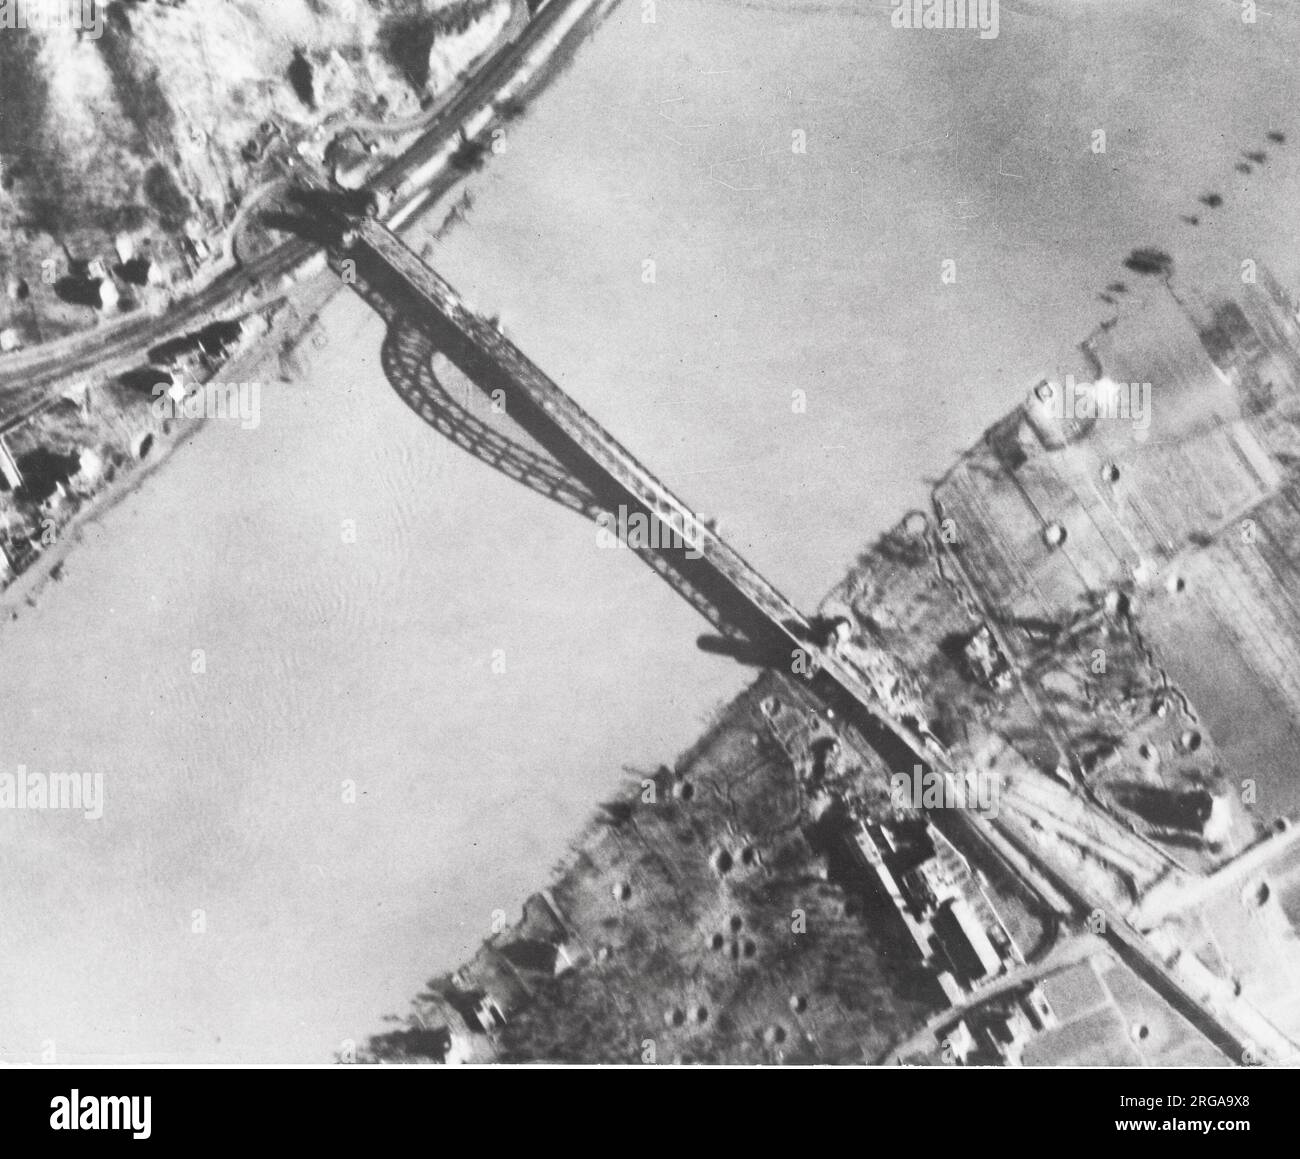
(164, 114)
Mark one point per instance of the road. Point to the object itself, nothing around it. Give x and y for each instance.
(1069, 952)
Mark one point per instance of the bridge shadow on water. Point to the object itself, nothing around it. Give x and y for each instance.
(468, 400)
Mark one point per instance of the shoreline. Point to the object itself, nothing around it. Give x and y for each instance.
(28, 585)
(318, 287)
(576, 979)
(286, 330)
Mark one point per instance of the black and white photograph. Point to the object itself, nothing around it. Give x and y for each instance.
(651, 533)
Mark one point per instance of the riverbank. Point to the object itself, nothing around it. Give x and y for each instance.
(29, 560)
(337, 786)
(122, 438)
(710, 912)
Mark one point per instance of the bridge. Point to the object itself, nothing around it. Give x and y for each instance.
(381, 264)
(374, 244)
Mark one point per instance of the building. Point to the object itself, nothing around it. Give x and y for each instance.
(965, 942)
(568, 956)
(489, 1014)
(938, 900)
(196, 250)
(960, 1043)
(109, 295)
(1007, 1034)
(1038, 1009)
(986, 662)
(91, 470)
(930, 884)
(9, 467)
(874, 859)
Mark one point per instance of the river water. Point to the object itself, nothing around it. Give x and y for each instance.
(418, 677)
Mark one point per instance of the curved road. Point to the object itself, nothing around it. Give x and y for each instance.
(28, 379)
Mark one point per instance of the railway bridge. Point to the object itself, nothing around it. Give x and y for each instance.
(385, 265)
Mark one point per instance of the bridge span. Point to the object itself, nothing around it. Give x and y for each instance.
(615, 462)
(368, 243)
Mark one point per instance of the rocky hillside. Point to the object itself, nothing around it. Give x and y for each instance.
(166, 119)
